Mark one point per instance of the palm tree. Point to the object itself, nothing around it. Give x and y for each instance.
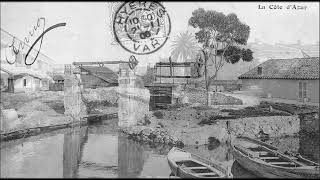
(185, 46)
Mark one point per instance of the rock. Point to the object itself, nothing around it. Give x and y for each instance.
(160, 124)
(185, 100)
(9, 119)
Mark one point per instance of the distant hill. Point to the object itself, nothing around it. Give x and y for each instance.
(263, 52)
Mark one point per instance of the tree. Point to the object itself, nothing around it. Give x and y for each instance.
(223, 39)
(185, 45)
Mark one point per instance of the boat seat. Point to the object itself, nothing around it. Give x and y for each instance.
(202, 174)
(279, 163)
(263, 153)
(269, 157)
(201, 167)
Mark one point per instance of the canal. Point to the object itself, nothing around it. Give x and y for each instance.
(99, 151)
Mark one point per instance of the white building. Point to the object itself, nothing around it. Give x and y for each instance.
(33, 77)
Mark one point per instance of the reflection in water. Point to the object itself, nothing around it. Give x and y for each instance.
(130, 158)
(72, 150)
(99, 151)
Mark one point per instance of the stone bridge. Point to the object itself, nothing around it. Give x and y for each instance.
(132, 101)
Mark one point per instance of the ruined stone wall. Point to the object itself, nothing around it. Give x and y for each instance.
(275, 126)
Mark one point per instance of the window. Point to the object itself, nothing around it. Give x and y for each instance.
(259, 70)
(24, 82)
(302, 89)
(123, 72)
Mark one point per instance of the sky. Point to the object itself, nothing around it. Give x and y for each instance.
(87, 35)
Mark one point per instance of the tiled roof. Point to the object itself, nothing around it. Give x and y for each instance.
(103, 72)
(297, 68)
(21, 75)
(58, 77)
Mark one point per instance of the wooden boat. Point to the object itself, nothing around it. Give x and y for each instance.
(187, 165)
(267, 161)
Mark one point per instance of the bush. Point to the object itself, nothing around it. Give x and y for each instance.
(172, 107)
(290, 108)
(158, 114)
(146, 120)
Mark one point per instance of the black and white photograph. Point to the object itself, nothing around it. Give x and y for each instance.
(159, 89)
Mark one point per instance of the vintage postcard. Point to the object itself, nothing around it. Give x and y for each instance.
(159, 89)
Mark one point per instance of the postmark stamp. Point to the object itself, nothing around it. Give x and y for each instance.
(141, 27)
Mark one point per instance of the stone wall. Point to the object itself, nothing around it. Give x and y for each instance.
(102, 100)
(221, 99)
(309, 122)
(189, 95)
(274, 126)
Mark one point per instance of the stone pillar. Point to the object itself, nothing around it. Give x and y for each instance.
(133, 105)
(73, 102)
(133, 101)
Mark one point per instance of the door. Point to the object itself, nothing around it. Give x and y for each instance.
(10, 85)
(160, 96)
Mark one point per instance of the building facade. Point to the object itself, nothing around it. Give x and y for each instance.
(40, 70)
(292, 79)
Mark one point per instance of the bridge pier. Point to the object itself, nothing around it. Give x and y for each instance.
(133, 103)
(133, 98)
(73, 102)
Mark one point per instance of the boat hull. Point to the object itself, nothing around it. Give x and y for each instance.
(178, 172)
(181, 171)
(268, 171)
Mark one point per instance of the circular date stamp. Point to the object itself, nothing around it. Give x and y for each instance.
(141, 27)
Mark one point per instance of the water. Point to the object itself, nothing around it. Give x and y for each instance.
(100, 151)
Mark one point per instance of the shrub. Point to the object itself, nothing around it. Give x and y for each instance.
(146, 120)
(158, 114)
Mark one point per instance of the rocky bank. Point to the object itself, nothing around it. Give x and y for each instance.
(182, 126)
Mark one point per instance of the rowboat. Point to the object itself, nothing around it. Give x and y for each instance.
(265, 160)
(187, 165)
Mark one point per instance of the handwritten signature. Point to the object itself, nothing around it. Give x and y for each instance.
(26, 40)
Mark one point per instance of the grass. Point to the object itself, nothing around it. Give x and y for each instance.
(56, 105)
(202, 108)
